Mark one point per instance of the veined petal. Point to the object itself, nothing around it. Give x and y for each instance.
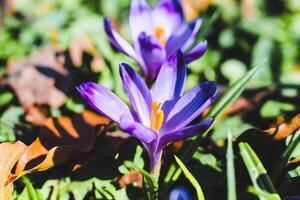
(184, 133)
(168, 14)
(138, 93)
(178, 39)
(103, 101)
(189, 106)
(196, 52)
(138, 130)
(193, 35)
(170, 80)
(140, 18)
(118, 42)
(153, 54)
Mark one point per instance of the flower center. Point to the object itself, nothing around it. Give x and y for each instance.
(159, 33)
(156, 116)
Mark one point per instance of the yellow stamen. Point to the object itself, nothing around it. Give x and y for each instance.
(156, 116)
(160, 35)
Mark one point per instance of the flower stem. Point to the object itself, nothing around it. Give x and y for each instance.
(155, 168)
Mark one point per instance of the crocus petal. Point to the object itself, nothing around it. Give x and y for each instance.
(189, 106)
(168, 14)
(140, 18)
(103, 101)
(138, 130)
(170, 80)
(138, 93)
(118, 42)
(178, 39)
(193, 35)
(153, 54)
(196, 52)
(184, 133)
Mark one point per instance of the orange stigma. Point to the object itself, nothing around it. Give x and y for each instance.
(156, 116)
(160, 35)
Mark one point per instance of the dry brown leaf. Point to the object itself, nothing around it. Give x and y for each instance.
(37, 115)
(243, 105)
(133, 177)
(10, 154)
(284, 129)
(41, 78)
(59, 140)
(84, 44)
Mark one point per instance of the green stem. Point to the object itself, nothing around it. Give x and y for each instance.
(30, 189)
(155, 169)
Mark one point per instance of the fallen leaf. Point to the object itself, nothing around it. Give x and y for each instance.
(244, 105)
(40, 79)
(82, 45)
(59, 140)
(107, 144)
(10, 154)
(37, 115)
(133, 177)
(284, 129)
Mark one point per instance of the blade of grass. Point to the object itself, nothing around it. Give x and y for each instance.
(266, 195)
(217, 109)
(233, 92)
(282, 161)
(191, 178)
(231, 185)
(258, 174)
(31, 191)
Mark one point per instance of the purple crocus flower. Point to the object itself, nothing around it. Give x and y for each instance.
(159, 117)
(157, 33)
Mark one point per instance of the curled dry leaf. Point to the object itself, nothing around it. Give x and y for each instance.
(10, 154)
(133, 177)
(41, 79)
(284, 129)
(84, 44)
(59, 140)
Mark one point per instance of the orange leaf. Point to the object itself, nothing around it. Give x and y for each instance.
(59, 140)
(284, 129)
(10, 154)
